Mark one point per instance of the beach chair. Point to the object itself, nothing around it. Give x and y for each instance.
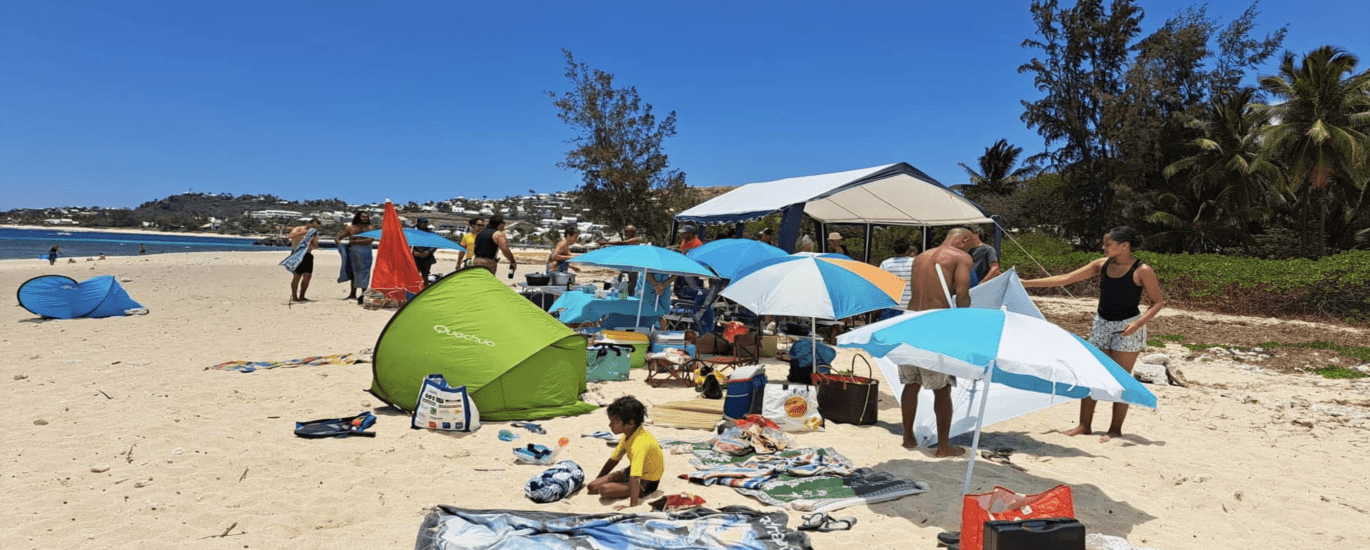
(661, 371)
(696, 314)
(746, 351)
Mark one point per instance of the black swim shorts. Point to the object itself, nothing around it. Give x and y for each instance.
(306, 265)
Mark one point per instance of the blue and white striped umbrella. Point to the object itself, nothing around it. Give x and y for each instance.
(1025, 352)
(1004, 347)
(811, 286)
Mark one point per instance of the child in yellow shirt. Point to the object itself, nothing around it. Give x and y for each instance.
(646, 464)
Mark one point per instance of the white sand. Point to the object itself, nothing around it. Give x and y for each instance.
(180, 457)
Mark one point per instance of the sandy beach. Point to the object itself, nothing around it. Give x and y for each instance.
(123, 439)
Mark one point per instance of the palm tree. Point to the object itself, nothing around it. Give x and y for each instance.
(1230, 181)
(1319, 130)
(996, 175)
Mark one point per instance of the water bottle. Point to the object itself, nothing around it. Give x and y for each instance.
(511, 271)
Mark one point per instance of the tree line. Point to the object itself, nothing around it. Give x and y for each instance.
(1158, 131)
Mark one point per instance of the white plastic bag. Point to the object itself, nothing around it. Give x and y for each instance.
(793, 407)
(442, 407)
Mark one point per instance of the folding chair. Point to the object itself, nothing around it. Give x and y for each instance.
(661, 371)
(746, 351)
(696, 315)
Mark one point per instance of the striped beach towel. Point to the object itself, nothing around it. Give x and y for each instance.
(297, 255)
(249, 366)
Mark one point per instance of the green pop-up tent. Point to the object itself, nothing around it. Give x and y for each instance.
(517, 362)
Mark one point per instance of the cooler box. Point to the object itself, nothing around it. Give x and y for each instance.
(604, 362)
(1034, 534)
(639, 341)
(746, 392)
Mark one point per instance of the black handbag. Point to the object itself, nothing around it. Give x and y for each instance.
(849, 399)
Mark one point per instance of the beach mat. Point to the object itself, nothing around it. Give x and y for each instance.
(818, 493)
(693, 414)
(251, 366)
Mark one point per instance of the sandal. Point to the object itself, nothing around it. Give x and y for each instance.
(822, 522)
(837, 524)
(813, 521)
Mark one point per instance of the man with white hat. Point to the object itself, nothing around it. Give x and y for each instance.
(835, 244)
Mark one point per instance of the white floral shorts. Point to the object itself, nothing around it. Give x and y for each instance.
(1107, 335)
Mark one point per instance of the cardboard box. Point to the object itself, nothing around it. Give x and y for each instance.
(769, 343)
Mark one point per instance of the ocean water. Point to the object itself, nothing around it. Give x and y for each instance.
(34, 243)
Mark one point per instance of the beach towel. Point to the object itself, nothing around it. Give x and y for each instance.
(452, 528)
(555, 483)
(297, 255)
(356, 265)
(807, 483)
(250, 366)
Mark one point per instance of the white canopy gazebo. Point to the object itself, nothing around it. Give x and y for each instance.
(893, 194)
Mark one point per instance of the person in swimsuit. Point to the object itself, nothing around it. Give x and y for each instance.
(490, 242)
(53, 252)
(928, 292)
(629, 237)
(299, 283)
(559, 260)
(358, 253)
(1119, 325)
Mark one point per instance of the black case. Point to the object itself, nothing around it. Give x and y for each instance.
(1035, 534)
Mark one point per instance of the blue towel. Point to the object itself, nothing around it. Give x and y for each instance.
(356, 265)
(555, 483)
(297, 255)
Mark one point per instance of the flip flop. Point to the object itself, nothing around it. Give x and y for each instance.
(837, 524)
(813, 521)
(949, 538)
(530, 426)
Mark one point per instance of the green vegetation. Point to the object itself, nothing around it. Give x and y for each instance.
(1336, 287)
(1163, 131)
(1356, 352)
(1336, 372)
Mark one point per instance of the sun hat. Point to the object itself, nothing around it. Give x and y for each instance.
(834, 236)
(687, 229)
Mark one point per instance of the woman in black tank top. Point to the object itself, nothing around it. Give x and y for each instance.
(1119, 325)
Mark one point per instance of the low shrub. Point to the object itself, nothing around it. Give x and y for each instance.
(1332, 288)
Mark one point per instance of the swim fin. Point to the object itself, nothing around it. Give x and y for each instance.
(337, 427)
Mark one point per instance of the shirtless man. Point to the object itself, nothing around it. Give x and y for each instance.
(299, 284)
(358, 253)
(629, 237)
(927, 293)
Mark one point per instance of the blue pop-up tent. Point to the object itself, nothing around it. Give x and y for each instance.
(59, 297)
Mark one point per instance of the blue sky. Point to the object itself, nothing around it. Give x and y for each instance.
(117, 103)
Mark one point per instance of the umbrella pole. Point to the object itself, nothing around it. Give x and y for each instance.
(979, 425)
(640, 296)
(813, 343)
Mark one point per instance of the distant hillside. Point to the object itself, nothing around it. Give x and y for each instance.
(224, 206)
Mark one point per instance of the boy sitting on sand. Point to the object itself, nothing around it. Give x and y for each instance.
(646, 464)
